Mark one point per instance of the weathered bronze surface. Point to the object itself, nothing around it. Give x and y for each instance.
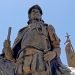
(36, 50)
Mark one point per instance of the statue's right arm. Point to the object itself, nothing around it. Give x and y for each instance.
(55, 41)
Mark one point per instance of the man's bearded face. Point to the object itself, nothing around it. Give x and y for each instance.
(35, 14)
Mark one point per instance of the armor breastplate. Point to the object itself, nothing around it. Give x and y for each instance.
(35, 36)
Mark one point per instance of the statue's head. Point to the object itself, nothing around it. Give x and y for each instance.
(35, 13)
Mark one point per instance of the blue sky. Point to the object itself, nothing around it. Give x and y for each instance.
(59, 13)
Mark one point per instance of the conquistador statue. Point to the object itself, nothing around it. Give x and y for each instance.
(36, 50)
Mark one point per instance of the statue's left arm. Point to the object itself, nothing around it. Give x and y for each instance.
(55, 41)
(55, 44)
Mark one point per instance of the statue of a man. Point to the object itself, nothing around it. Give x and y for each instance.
(36, 49)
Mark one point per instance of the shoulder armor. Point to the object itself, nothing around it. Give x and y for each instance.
(22, 29)
(51, 27)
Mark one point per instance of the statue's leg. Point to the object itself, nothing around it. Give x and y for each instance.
(40, 73)
(19, 69)
(26, 65)
(37, 73)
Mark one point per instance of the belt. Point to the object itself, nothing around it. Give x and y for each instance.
(42, 50)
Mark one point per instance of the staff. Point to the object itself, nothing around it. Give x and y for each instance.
(9, 33)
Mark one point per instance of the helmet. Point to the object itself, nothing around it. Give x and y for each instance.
(35, 7)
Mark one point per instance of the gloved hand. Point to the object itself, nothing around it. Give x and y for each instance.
(49, 55)
(8, 51)
(7, 44)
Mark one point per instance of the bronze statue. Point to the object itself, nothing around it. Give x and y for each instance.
(36, 50)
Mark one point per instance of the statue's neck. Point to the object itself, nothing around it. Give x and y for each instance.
(34, 21)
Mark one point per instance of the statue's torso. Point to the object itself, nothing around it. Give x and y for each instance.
(35, 36)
